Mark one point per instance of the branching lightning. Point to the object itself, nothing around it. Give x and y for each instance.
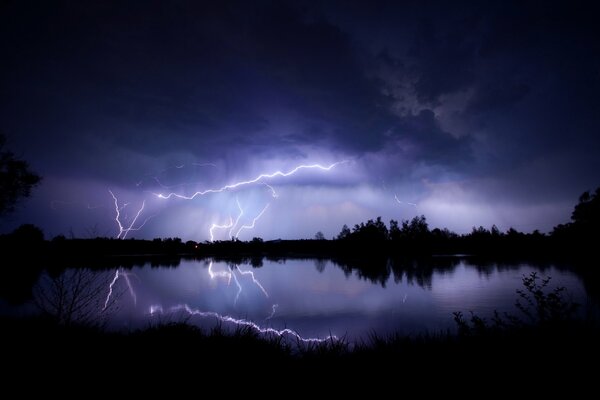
(251, 226)
(216, 226)
(249, 182)
(237, 220)
(122, 230)
(229, 275)
(156, 309)
(233, 224)
(219, 274)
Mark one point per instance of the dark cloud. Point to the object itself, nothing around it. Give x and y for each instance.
(429, 143)
(430, 90)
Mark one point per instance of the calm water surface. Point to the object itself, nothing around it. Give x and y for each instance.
(317, 297)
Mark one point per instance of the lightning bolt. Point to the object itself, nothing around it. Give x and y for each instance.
(118, 273)
(233, 224)
(131, 291)
(272, 189)
(110, 289)
(157, 309)
(234, 232)
(404, 202)
(256, 282)
(231, 275)
(122, 230)
(219, 274)
(215, 226)
(237, 220)
(249, 182)
(251, 226)
(239, 292)
(274, 308)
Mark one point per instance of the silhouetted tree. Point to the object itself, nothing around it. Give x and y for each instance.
(495, 231)
(373, 230)
(586, 214)
(28, 233)
(585, 220)
(480, 233)
(416, 229)
(394, 232)
(319, 236)
(76, 296)
(16, 179)
(345, 233)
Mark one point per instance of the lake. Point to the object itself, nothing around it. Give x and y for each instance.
(309, 298)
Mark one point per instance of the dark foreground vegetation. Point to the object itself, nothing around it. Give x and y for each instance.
(161, 350)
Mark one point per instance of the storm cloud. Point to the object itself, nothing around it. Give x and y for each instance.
(478, 113)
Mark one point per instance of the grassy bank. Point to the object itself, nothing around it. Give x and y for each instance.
(37, 344)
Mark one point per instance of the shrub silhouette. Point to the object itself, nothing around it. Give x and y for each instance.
(539, 308)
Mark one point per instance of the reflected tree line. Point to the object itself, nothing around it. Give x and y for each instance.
(372, 250)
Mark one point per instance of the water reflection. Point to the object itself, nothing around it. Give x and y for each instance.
(314, 297)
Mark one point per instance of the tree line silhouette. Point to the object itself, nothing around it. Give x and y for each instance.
(398, 238)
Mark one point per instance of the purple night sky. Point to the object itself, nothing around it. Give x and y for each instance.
(469, 113)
